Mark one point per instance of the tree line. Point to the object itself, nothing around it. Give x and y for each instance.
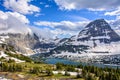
(92, 72)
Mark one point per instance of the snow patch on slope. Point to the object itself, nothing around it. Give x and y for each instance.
(7, 57)
(112, 48)
(94, 52)
(2, 54)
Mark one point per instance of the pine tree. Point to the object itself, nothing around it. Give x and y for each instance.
(49, 72)
(36, 70)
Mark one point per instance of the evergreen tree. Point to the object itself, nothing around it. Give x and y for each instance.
(66, 73)
(36, 70)
(49, 72)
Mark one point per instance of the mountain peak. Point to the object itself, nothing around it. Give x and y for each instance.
(98, 30)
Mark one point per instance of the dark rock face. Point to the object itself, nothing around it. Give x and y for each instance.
(100, 29)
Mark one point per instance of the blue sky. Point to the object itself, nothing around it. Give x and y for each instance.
(61, 18)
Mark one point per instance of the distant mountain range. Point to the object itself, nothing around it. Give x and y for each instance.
(96, 33)
(97, 42)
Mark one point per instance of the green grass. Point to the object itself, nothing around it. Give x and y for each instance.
(30, 65)
(30, 76)
(62, 76)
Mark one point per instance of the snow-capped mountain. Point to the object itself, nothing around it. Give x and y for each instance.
(98, 30)
(96, 41)
(95, 33)
(27, 44)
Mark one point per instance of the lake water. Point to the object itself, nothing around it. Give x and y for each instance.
(65, 61)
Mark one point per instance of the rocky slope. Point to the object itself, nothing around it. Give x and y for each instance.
(27, 44)
(9, 54)
(98, 30)
(21, 43)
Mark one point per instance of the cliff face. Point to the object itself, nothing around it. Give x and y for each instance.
(22, 43)
(27, 43)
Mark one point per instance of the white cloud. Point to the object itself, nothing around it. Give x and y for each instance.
(13, 23)
(63, 27)
(42, 3)
(77, 18)
(87, 4)
(43, 32)
(21, 6)
(39, 14)
(115, 24)
(63, 33)
(73, 28)
(114, 12)
(47, 6)
(3, 15)
(20, 17)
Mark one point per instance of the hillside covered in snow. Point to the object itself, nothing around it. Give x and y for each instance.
(97, 42)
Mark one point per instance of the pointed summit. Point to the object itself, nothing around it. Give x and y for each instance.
(98, 30)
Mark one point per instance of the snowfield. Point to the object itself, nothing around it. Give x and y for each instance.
(106, 52)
